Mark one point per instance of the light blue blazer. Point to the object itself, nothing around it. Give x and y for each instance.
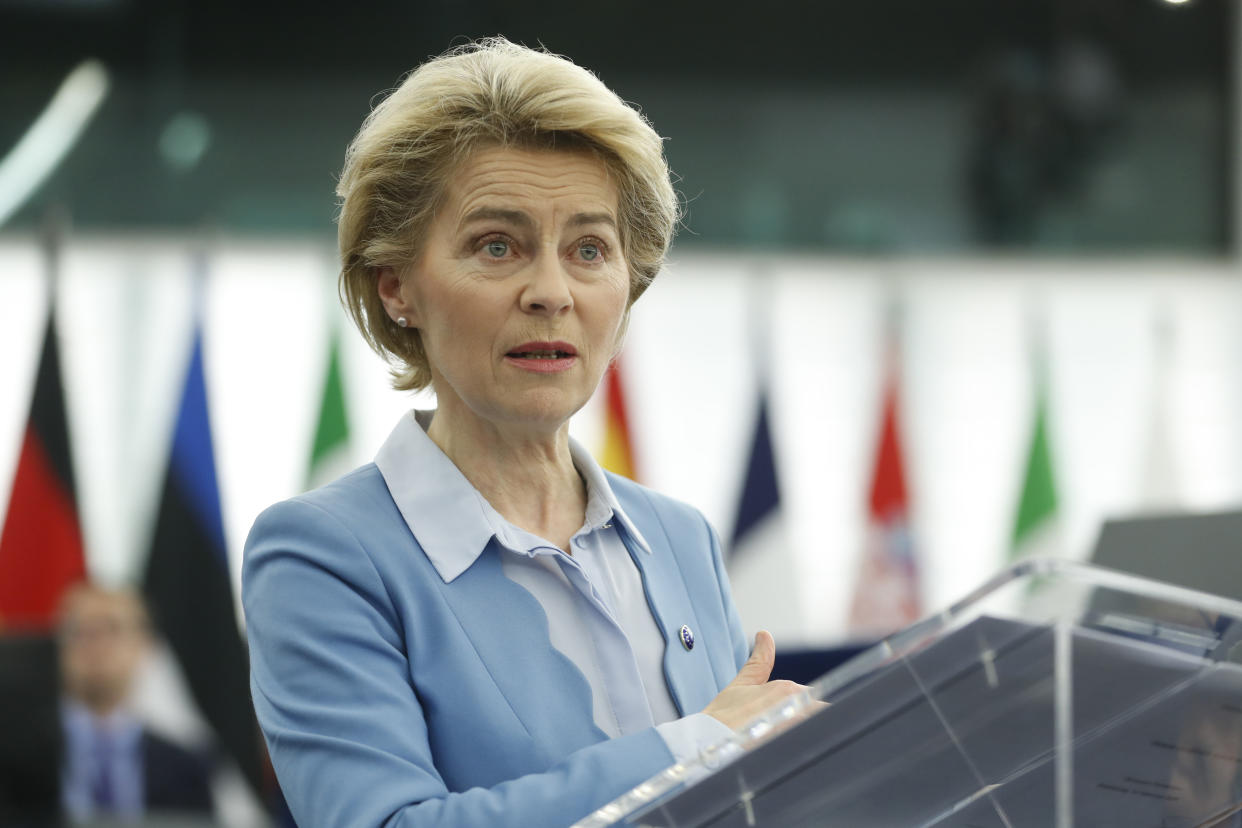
(389, 697)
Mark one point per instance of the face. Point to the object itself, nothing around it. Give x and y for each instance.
(103, 640)
(521, 289)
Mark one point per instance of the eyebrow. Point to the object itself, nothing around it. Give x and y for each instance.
(582, 219)
(522, 219)
(498, 214)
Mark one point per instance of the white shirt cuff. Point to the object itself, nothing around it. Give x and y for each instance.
(687, 736)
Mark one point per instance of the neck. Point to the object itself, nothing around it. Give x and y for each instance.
(527, 475)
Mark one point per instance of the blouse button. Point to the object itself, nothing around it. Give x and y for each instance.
(687, 637)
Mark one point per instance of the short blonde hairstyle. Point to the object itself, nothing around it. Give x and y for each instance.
(486, 93)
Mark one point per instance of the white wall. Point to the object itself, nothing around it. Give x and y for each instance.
(125, 312)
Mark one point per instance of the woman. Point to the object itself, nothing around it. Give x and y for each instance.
(482, 628)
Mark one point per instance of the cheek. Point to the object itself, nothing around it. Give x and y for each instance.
(459, 325)
(618, 309)
(612, 291)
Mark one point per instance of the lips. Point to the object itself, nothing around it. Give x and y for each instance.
(543, 357)
(543, 350)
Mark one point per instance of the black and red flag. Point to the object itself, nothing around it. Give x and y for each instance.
(41, 540)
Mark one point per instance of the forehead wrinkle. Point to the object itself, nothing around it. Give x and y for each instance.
(494, 179)
(497, 202)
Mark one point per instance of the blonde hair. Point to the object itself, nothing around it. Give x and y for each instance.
(486, 93)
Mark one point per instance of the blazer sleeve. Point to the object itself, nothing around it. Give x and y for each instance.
(344, 725)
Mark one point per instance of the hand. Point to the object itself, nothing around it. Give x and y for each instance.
(750, 693)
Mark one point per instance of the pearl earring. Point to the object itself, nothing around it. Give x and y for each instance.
(402, 322)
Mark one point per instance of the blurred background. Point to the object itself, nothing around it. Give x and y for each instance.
(958, 281)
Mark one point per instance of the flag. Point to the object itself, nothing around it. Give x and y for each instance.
(760, 498)
(1036, 529)
(330, 455)
(187, 581)
(617, 453)
(41, 542)
(886, 592)
(763, 568)
(1037, 524)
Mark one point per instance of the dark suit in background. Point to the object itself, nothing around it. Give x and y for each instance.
(174, 778)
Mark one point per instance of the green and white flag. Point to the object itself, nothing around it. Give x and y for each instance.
(1036, 526)
(330, 454)
(1036, 529)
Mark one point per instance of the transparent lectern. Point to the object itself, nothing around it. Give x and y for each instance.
(1055, 695)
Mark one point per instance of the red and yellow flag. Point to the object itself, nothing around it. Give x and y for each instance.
(617, 453)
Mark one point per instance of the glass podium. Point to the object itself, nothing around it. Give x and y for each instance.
(1055, 695)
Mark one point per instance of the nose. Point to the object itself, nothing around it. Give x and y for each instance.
(546, 292)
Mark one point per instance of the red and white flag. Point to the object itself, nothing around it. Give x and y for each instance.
(886, 593)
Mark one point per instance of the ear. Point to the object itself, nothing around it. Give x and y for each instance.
(388, 284)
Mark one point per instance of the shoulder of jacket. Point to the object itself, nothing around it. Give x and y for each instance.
(642, 502)
(360, 486)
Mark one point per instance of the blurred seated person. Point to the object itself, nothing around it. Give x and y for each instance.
(113, 765)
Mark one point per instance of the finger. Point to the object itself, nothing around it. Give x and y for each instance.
(758, 668)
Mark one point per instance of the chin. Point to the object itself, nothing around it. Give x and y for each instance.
(548, 407)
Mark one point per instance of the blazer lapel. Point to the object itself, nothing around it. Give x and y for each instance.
(687, 670)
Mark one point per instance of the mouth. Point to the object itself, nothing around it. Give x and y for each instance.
(543, 350)
(543, 357)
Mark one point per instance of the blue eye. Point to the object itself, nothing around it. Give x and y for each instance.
(590, 252)
(497, 248)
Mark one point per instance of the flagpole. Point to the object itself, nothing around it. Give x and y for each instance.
(134, 328)
(53, 230)
(894, 321)
(760, 293)
(1159, 482)
(1037, 343)
(200, 257)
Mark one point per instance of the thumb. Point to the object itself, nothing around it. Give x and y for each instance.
(758, 667)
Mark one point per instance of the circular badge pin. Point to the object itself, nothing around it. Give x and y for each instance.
(687, 637)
